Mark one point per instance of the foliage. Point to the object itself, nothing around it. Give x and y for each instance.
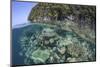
(81, 14)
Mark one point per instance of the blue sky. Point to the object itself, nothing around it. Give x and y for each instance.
(20, 12)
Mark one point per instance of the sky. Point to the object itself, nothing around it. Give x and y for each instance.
(20, 12)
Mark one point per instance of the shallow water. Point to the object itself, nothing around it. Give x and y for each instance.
(36, 29)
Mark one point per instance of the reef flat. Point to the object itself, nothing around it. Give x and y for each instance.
(46, 43)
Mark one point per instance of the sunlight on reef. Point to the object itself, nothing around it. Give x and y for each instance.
(43, 43)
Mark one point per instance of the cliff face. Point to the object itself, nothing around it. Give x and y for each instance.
(81, 14)
(49, 12)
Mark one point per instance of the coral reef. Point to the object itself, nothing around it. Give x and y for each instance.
(51, 44)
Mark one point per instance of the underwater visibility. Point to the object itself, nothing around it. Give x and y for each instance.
(41, 43)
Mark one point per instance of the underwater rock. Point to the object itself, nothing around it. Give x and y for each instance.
(46, 42)
(75, 50)
(47, 32)
(64, 42)
(51, 41)
(75, 40)
(40, 56)
(62, 50)
(48, 37)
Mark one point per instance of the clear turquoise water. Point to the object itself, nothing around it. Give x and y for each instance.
(33, 28)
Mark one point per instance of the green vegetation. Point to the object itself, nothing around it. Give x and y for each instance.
(81, 14)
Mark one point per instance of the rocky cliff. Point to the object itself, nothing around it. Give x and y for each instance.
(81, 14)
